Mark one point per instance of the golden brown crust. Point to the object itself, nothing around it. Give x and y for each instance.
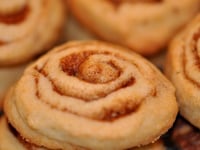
(28, 28)
(146, 32)
(182, 67)
(55, 105)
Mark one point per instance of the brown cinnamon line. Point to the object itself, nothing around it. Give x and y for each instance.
(71, 64)
(195, 37)
(2, 43)
(15, 18)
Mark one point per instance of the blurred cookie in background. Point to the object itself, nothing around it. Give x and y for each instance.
(126, 23)
(27, 29)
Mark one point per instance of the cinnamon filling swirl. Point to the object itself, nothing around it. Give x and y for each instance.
(2, 43)
(196, 58)
(93, 72)
(90, 71)
(78, 65)
(70, 64)
(15, 18)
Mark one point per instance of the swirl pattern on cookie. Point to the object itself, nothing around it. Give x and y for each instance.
(125, 22)
(92, 95)
(28, 27)
(182, 68)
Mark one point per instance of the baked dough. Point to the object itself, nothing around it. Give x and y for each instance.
(92, 95)
(182, 68)
(28, 28)
(144, 26)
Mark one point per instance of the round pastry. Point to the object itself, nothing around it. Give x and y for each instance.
(182, 68)
(10, 139)
(185, 136)
(125, 22)
(91, 95)
(9, 76)
(28, 27)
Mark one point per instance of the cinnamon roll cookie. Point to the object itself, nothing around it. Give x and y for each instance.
(91, 95)
(28, 27)
(182, 68)
(146, 26)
